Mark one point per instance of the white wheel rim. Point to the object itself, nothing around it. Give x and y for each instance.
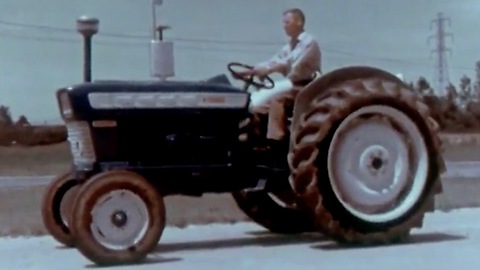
(119, 220)
(378, 166)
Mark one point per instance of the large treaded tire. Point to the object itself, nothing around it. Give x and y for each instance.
(264, 211)
(309, 152)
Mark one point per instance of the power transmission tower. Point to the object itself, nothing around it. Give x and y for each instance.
(441, 77)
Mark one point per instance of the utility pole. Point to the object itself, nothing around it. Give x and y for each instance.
(441, 76)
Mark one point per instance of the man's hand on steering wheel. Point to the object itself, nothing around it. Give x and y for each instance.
(262, 73)
(243, 74)
(248, 75)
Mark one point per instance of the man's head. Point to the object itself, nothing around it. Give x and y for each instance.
(293, 21)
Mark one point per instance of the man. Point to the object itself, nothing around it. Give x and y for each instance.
(298, 61)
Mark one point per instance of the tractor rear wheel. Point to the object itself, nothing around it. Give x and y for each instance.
(366, 160)
(276, 212)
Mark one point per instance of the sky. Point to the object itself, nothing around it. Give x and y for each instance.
(40, 50)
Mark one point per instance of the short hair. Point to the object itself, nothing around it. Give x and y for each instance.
(297, 13)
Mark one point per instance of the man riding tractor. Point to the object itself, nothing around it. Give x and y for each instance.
(299, 61)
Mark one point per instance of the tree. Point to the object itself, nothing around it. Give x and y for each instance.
(465, 94)
(22, 121)
(452, 93)
(423, 86)
(476, 85)
(5, 116)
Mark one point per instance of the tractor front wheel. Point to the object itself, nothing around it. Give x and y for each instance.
(56, 207)
(118, 218)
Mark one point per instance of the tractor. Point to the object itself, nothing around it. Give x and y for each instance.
(362, 160)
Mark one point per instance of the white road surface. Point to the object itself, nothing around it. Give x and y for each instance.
(448, 241)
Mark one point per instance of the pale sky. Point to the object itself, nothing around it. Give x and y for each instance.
(209, 33)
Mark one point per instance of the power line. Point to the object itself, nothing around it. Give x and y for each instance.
(139, 37)
(441, 66)
(190, 41)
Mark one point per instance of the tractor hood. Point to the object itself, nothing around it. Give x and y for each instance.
(102, 99)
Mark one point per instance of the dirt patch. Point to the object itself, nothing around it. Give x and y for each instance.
(463, 152)
(36, 160)
(53, 159)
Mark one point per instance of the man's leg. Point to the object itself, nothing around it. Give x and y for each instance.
(276, 132)
(277, 126)
(260, 100)
(276, 120)
(271, 102)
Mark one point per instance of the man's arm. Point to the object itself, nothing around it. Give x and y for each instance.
(309, 62)
(278, 63)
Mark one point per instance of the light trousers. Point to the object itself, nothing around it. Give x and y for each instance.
(272, 102)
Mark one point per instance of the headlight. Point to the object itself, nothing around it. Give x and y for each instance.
(64, 104)
(81, 145)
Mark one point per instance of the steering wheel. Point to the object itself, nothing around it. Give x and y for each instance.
(249, 79)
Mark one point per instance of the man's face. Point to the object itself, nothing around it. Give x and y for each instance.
(291, 24)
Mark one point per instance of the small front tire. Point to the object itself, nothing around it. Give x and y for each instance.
(56, 207)
(118, 218)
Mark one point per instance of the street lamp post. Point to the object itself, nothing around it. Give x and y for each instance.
(88, 27)
(155, 3)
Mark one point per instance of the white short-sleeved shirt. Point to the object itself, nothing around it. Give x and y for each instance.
(301, 61)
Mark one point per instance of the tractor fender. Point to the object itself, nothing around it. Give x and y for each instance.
(318, 86)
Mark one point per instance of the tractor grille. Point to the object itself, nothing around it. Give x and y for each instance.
(81, 145)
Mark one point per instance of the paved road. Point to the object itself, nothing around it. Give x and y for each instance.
(448, 241)
(462, 169)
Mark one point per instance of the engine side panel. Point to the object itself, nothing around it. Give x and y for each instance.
(176, 140)
(111, 99)
(159, 128)
(160, 123)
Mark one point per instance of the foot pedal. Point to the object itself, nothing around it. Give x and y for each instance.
(261, 184)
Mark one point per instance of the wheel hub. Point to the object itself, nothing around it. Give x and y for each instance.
(120, 219)
(377, 163)
(374, 162)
